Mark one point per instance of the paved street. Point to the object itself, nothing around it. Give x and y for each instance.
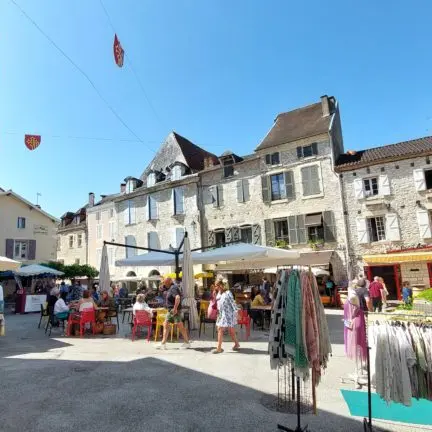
(111, 384)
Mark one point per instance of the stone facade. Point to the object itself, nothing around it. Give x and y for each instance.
(403, 210)
(72, 244)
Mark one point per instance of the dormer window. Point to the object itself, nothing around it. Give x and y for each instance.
(177, 172)
(151, 180)
(130, 186)
(228, 167)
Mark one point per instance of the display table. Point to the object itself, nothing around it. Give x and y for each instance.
(33, 302)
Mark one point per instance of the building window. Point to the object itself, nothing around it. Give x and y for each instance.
(178, 198)
(21, 223)
(376, 229)
(370, 186)
(152, 208)
(281, 230)
(178, 237)
(58, 244)
(246, 234)
(151, 180)
(307, 151)
(21, 250)
(428, 179)
(273, 159)
(130, 186)
(111, 213)
(278, 190)
(129, 213)
(228, 168)
(220, 238)
(71, 241)
(79, 240)
(98, 258)
(111, 230)
(98, 216)
(153, 240)
(310, 180)
(176, 172)
(99, 232)
(130, 241)
(77, 261)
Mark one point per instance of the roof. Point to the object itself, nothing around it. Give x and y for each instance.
(193, 154)
(107, 198)
(297, 124)
(33, 206)
(373, 156)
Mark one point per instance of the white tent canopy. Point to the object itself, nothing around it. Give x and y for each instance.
(36, 270)
(7, 264)
(148, 259)
(316, 271)
(136, 278)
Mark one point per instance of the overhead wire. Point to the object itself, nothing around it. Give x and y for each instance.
(140, 84)
(77, 67)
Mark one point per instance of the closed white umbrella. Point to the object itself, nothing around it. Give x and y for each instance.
(104, 275)
(7, 264)
(189, 284)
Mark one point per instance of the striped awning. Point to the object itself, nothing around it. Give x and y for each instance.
(398, 257)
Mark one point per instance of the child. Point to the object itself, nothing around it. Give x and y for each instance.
(407, 293)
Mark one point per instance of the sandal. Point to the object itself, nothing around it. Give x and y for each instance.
(215, 351)
(236, 348)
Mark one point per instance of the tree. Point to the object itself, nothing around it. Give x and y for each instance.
(74, 270)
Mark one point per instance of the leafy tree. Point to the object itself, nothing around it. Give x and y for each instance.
(74, 270)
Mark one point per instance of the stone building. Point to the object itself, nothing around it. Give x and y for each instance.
(388, 205)
(286, 193)
(157, 208)
(72, 245)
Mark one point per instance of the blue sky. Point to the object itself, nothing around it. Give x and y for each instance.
(216, 71)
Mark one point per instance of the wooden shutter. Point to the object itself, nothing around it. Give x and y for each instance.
(362, 232)
(211, 238)
(289, 184)
(132, 212)
(178, 195)
(329, 226)
(315, 180)
(419, 179)
(179, 234)
(314, 148)
(268, 159)
(228, 235)
(269, 232)
(424, 224)
(306, 181)
(292, 230)
(302, 236)
(383, 185)
(392, 227)
(256, 234)
(246, 194)
(32, 250)
(126, 213)
(275, 158)
(265, 183)
(235, 234)
(220, 198)
(10, 248)
(240, 194)
(152, 208)
(214, 191)
(358, 188)
(299, 152)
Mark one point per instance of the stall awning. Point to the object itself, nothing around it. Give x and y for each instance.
(395, 258)
(313, 219)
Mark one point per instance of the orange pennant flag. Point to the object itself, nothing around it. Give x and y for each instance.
(32, 141)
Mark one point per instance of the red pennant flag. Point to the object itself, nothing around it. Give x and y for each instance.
(118, 52)
(32, 141)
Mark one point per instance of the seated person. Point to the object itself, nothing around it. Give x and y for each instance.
(258, 300)
(206, 295)
(161, 297)
(140, 304)
(52, 298)
(61, 309)
(86, 302)
(94, 294)
(107, 301)
(123, 293)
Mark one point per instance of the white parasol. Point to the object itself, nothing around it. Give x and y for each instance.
(104, 275)
(7, 264)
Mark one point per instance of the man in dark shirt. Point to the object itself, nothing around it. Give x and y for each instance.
(173, 303)
(375, 294)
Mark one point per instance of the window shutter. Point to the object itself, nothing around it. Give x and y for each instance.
(302, 236)
(9, 248)
(329, 226)
(424, 224)
(268, 159)
(152, 208)
(132, 212)
(179, 233)
(289, 184)
(265, 183)
(314, 148)
(220, 196)
(315, 180)
(383, 185)
(153, 240)
(235, 234)
(358, 188)
(306, 181)
(246, 193)
(256, 234)
(126, 213)
(299, 152)
(32, 250)
(419, 179)
(292, 230)
(228, 235)
(214, 194)
(362, 233)
(269, 232)
(275, 158)
(178, 197)
(392, 227)
(211, 238)
(240, 194)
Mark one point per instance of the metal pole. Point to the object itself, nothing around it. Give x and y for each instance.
(139, 247)
(177, 267)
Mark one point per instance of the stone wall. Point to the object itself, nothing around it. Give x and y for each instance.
(70, 255)
(416, 274)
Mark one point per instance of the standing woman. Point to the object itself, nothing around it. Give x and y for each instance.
(227, 318)
(384, 292)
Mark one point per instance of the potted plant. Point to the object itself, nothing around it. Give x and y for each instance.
(282, 244)
(316, 244)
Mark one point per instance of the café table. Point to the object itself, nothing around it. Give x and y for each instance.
(263, 310)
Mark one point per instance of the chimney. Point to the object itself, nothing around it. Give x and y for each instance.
(325, 105)
(91, 199)
(122, 187)
(210, 161)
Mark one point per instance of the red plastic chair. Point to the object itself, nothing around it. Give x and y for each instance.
(243, 319)
(142, 319)
(87, 316)
(74, 318)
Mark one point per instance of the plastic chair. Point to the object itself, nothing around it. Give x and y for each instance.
(74, 318)
(205, 320)
(142, 319)
(204, 304)
(160, 319)
(53, 320)
(243, 319)
(87, 316)
(113, 313)
(44, 312)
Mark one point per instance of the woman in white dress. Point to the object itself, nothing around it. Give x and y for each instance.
(227, 318)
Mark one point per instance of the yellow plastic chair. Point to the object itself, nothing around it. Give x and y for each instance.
(160, 319)
(204, 304)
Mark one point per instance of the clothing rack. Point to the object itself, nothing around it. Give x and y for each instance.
(367, 422)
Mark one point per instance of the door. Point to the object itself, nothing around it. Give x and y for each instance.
(429, 265)
(391, 276)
